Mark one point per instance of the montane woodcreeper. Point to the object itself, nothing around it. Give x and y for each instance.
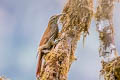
(47, 41)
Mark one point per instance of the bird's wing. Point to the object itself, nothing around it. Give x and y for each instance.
(45, 36)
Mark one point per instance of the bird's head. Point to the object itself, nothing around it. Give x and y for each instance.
(55, 18)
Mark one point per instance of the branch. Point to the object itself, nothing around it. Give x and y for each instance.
(108, 52)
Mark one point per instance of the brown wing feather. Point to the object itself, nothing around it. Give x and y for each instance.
(44, 39)
(45, 36)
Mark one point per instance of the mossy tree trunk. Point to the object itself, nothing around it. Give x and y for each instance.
(76, 22)
(108, 52)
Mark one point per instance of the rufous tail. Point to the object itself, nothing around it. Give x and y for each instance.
(39, 64)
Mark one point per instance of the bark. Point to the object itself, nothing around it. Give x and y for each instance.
(108, 52)
(75, 23)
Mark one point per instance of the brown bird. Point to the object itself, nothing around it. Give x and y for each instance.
(47, 41)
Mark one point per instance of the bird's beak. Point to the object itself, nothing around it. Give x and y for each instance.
(60, 14)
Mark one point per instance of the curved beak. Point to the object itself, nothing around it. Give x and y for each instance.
(60, 15)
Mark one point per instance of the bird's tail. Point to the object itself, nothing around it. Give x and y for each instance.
(39, 64)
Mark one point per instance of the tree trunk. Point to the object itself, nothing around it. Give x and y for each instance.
(108, 52)
(75, 23)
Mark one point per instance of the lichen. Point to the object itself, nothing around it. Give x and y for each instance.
(104, 24)
(111, 70)
(108, 52)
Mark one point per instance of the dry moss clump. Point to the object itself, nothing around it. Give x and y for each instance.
(105, 9)
(56, 65)
(111, 70)
(76, 22)
(78, 16)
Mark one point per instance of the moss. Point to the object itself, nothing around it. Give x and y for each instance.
(78, 16)
(111, 70)
(105, 9)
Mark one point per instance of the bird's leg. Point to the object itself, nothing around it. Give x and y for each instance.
(41, 48)
(56, 41)
(48, 45)
(44, 48)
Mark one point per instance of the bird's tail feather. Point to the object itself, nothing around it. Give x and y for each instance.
(39, 64)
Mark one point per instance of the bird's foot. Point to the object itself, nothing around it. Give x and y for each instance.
(57, 41)
(39, 48)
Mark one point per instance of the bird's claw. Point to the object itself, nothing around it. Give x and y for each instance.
(57, 41)
(39, 49)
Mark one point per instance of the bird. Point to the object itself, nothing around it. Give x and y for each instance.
(47, 41)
